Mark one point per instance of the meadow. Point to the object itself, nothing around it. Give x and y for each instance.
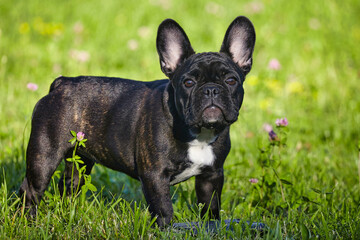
(305, 184)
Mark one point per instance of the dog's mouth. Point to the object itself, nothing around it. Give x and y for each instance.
(212, 114)
(212, 117)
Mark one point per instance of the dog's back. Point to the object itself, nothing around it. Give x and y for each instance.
(94, 105)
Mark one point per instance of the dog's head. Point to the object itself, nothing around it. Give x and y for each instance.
(208, 87)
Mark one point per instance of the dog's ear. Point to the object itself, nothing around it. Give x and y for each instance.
(239, 42)
(173, 46)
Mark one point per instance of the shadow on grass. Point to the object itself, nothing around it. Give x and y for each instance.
(13, 170)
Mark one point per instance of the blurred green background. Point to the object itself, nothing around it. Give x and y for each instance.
(315, 85)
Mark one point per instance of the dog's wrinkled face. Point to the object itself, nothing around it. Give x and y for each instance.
(208, 90)
(208, 87)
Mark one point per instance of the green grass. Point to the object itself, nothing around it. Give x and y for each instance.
(308, 189)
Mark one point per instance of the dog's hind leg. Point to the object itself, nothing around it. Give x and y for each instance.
(70, 178)
(43, 157)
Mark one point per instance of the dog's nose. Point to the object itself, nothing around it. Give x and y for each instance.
(211, 91)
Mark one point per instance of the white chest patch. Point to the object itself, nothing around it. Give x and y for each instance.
(200, 154)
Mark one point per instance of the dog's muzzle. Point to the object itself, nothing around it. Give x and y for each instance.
(212, 115)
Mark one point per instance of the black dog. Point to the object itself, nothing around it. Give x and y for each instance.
(161, 132)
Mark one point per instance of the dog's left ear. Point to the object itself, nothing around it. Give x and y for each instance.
(239, 42)
(173, 46)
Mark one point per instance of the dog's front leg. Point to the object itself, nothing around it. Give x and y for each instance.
(157, 193)
(208, 191)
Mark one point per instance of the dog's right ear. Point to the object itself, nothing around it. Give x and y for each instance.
(173, 46)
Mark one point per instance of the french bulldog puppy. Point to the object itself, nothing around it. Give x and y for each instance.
(161, 132)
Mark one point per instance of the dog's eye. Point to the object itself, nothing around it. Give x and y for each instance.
(189, 83)
(230, 81)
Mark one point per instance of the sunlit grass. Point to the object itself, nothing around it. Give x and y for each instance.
(316, 87)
